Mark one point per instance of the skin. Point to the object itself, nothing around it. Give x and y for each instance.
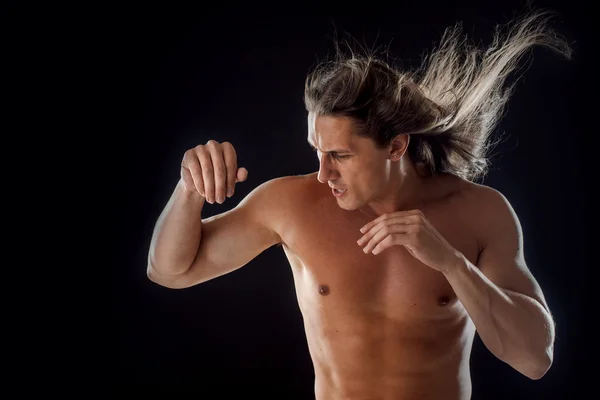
(393, 279)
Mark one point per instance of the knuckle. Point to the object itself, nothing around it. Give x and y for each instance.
(207, 167)
(231, 152)
(199, 153)
(194, 167)
(205, 161)
(190, 154)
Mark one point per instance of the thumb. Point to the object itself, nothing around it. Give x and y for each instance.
(242, 174)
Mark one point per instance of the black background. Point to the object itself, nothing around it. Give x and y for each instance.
(186, 77)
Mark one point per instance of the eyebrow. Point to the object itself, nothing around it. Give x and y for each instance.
(330, 151)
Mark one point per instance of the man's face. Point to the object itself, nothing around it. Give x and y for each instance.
(347, 161)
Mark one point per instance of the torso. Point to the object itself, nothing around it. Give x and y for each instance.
(378, 326)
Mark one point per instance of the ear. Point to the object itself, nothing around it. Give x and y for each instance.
(399, 145)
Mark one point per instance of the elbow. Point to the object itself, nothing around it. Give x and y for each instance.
(153, 276)
(168, 281)
(538, 366)
(538, 372)
(542, 367)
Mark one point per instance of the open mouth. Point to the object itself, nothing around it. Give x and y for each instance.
(338, 193)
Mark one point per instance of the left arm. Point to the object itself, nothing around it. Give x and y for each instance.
(500, 294)
(502, 297)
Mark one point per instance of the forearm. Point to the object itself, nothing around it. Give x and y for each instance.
(515, 328)
(177, 234)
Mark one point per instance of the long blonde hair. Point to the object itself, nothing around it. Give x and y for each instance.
(449, 105)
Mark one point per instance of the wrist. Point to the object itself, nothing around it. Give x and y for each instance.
(457, 264)
(189, 193)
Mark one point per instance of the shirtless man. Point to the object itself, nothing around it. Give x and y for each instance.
(398, 256)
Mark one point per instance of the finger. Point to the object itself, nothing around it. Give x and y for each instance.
(376, 228)
(242, 174)
(220, 172)
(196, 173)
(192, 167)
(186, 175)
(207, 174)
(230, 158)
(383, 233)
(396, 239)
(385, 216)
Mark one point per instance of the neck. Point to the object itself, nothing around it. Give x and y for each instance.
(407, 189)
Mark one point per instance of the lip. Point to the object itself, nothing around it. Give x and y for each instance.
(338, 195)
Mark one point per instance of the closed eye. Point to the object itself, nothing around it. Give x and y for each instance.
(338, 157)
(333, 155)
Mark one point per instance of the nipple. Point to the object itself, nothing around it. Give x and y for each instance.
(443, 300)
(323, 290)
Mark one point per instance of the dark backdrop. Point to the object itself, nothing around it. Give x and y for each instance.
(187, 77)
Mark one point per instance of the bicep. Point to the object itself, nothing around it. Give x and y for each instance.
(502, 259)
(233, 238)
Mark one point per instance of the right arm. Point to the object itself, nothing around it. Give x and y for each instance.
(186, 250)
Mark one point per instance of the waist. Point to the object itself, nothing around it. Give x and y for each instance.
(390, 360)
(444, 388)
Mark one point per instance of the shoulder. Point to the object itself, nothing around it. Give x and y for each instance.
(277, 198)
(281, 200)
(284, 188)
(490, 202)
(481, 201)
(492, 213)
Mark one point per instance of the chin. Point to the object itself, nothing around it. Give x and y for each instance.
(348, 206)
(345, 207)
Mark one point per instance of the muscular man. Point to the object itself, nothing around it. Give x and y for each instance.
(398, 255)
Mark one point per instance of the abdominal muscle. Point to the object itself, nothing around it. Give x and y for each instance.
(378, 358)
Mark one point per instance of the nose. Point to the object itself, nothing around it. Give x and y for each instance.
(326, 172)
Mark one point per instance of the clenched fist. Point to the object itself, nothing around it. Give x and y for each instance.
(212, 170)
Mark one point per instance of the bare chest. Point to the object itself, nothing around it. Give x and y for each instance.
(332, 273)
